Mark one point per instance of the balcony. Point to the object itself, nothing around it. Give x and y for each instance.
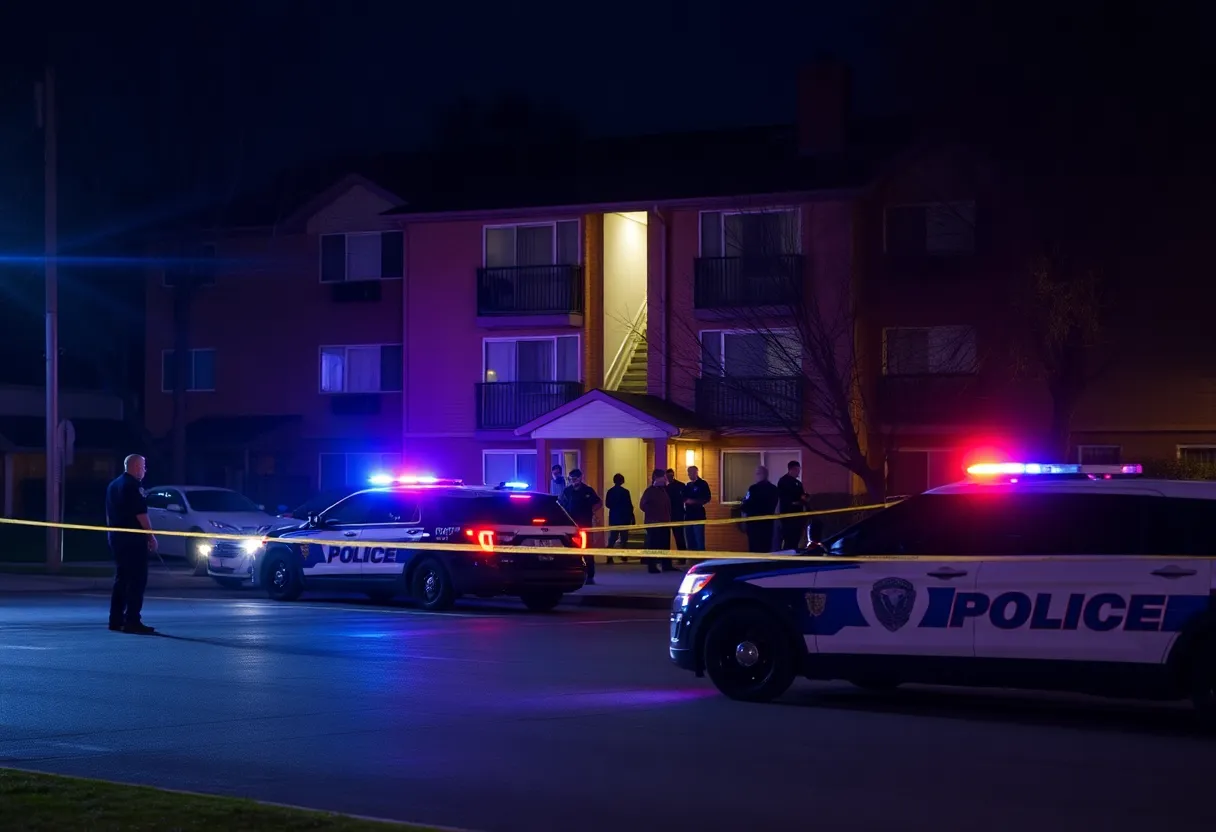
(505, 405)
(530, 291)
(772, 402)
(747, 282)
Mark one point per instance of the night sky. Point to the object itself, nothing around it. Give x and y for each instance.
(166, 106)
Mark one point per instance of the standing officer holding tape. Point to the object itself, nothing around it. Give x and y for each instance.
(126, 508)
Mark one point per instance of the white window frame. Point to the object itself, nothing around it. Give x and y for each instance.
(165, 353)
(776, 209)
(346, 464)
(555, 458)
(321, 370)
(346, 270)
(553, 338)
(1081, 451)
(886, 364)
(1178, 449)
(513, 452)
(722, 333)
(886, 248)
(788, 455)
(578, 224)
(164, 275)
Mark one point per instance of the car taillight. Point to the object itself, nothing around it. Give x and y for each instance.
(580, 540)
(485, 538)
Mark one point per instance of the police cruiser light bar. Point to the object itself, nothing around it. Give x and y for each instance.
(386, 479)
(1034, 469)
(512, 486)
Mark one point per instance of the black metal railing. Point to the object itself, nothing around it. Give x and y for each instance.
(530, 290)
(747, 282)
(505, 405)
(771, 402)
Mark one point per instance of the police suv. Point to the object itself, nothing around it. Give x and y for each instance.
(343, 547)
(1051, 577)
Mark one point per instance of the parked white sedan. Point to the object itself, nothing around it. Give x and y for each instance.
(196, 508)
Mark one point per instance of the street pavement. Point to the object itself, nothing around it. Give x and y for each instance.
(627, 586)
(491, 718)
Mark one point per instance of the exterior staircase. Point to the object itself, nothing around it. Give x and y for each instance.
(634, 380)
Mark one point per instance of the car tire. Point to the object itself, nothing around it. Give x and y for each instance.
(200, 562)
(431, 586)
(283, 579)
(1203, 683)
(382, 596)
(541, 600)
(228, 583)
(749, 655)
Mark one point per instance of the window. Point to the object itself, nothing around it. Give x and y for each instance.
(159, 498)
(537, 244)
(1099, 454)
(913, 471)
(374, 256)
(339, 471)
(376, 508)
(569, 460)
(739, 470)
(370, 368)
(750, 234)
(751, 354)
(509, 466)
(498, 509)
(219, 501)
(200, 377)
(936, 229)
(1197, 454)
(532, 359)
(930, 350)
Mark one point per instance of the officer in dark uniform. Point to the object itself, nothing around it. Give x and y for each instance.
(760, 501)
(793, 498)
(580, 501)
(126, 508)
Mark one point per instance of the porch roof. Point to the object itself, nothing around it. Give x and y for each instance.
(600, 414)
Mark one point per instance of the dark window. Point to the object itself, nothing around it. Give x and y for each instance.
(391, 370)
(500, 509)
(1179, 526)
(158, 499)
(1100, 454)
(200, 371)
(333, 258)
(392, 254)
(936, 229)
(927, 525)
(220, 502)
(375, 507)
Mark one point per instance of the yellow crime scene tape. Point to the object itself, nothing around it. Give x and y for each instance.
(663, 554)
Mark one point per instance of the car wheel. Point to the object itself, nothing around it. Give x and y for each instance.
(382, 596)
(1203, 683)
(431, 586)
(543, 600)
(749, 656)
(197, 557)
(283, 580)
(228, 583)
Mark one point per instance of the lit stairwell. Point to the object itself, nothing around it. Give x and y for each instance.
(634, 380)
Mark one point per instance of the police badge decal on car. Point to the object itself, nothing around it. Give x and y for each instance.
(893, 600)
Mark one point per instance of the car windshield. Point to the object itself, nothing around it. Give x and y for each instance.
(321, 502)
(220, 502)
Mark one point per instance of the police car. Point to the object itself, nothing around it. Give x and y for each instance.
(1085, 578)
(326, 552)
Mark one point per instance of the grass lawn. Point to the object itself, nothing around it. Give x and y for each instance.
(45, 803)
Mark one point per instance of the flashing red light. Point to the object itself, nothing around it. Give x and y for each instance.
(581, 540)
(538, 521)
(485, 538)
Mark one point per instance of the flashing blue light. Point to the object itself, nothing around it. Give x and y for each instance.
(380, 479)
(522, 486)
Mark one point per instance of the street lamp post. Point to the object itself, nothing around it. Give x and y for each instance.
(54, 535)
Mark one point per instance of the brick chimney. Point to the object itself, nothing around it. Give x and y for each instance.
(823, 106)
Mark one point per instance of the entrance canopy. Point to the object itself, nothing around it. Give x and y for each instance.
(600, 414)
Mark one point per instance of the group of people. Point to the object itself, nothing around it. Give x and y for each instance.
(668, 500)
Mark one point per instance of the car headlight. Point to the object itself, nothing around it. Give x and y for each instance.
(224, 527)
(249, 547)
(694, 582)
(204, 548)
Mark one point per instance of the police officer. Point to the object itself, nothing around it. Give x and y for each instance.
(126, 508)
(580, 501)
(793, 498)
(760, 501)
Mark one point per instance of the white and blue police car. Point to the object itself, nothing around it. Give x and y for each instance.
(343, 548)
(1090, 579)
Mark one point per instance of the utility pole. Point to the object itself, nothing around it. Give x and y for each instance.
(54, 535)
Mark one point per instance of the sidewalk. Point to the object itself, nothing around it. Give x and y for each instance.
(621, 586)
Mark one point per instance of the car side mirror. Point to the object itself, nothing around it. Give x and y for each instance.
(817, 549)
(175, 507)
(314, 519)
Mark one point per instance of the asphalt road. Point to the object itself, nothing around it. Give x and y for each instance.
(495, 719)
